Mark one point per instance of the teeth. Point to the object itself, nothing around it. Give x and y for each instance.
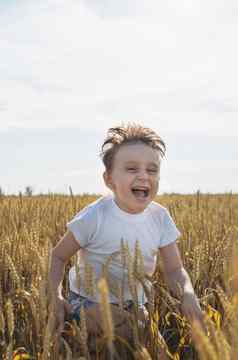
(140, 191)
(144, 189)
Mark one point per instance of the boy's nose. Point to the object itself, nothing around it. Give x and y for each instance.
(143, 174)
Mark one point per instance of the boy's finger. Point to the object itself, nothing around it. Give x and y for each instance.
(60, 328)
(199, 320)
(68, 307)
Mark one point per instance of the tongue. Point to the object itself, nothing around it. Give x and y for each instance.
(139, 193)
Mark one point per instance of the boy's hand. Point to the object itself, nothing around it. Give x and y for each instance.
(191, 309)
(61, 308)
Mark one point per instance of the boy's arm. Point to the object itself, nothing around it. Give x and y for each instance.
(61, 253)
(176, 276)
(179, 282)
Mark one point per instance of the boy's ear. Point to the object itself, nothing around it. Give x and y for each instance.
(107, 180)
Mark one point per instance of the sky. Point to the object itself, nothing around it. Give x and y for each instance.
(69, 70)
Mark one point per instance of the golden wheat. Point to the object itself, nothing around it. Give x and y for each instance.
(31, 226)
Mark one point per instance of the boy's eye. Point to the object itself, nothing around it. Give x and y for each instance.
(131, 169)
(152, 171)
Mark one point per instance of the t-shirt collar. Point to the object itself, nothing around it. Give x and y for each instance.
(138, 217)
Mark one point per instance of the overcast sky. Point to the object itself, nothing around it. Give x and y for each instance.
(69, 70)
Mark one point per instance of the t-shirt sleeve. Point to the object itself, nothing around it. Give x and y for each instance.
(169, 232)
(83, 226)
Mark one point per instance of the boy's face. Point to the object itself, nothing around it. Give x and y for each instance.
(134, 178)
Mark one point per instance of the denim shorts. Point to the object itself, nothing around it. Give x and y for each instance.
(77, 301)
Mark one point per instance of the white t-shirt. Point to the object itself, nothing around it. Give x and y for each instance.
(99, 229)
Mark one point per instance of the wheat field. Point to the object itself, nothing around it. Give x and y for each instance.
(31, 225)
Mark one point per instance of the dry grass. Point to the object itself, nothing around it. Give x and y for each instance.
(30, 226)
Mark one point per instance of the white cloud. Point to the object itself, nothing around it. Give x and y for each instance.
(77, 173)
(74, 63)
(207, 176)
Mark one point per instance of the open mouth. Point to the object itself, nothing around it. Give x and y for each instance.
(140, 192)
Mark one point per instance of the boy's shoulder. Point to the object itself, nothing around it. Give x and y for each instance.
(157, 207)
(98, 205)
(158, 211)
(92, 211)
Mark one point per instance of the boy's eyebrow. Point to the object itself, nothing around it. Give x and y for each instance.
(136, 162)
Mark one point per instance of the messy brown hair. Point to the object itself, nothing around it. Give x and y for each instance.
(129, 134)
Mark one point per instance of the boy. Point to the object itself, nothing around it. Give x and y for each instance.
(132, 156)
